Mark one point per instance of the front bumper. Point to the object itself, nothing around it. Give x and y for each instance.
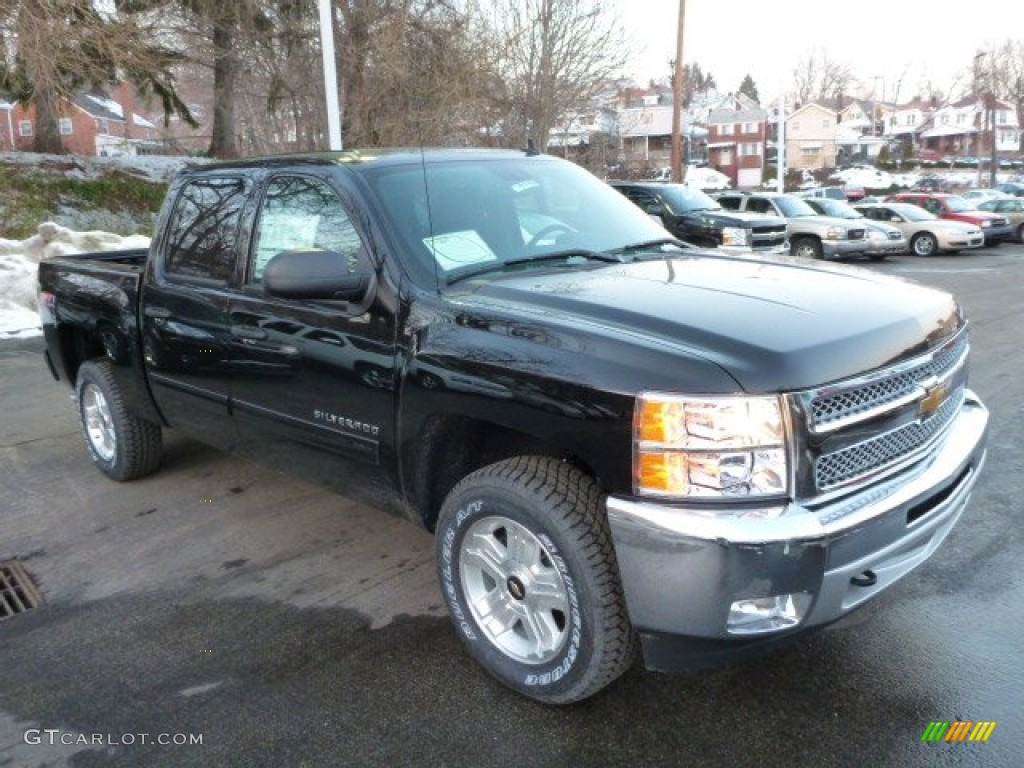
(997, 234)
(682, 570)
(831, 249)
(745, 250)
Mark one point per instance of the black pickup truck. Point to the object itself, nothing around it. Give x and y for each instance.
(696, 218)
(619, 440)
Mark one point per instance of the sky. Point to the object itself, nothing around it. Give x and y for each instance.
(899, 42)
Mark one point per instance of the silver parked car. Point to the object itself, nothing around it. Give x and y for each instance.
(926, 233)
(883, 239)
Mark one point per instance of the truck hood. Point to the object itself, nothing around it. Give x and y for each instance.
(773, 324)
(742, 218)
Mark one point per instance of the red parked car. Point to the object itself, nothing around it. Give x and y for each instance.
(953, 207)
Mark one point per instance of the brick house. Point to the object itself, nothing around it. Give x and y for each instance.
(736, 144)
(90, 125)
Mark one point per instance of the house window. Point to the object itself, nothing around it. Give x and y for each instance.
(826, 123)
(24, 127)
(65, 126)
(1002, 118)
(104, 126)
(750, 127)
(727, 129)
(751, 149)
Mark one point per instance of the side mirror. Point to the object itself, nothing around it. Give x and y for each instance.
(314, 275)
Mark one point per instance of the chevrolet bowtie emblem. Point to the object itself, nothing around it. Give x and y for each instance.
(934, 396)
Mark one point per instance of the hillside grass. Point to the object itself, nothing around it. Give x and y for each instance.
(114, 201)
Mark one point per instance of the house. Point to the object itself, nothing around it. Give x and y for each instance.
(646, 134)
(963, 128)
(90, 125)
(736, 144)
(811, 133)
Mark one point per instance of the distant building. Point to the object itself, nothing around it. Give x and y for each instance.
(736, 144)
(90, 124)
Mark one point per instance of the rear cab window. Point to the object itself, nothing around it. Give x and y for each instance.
(203, 229)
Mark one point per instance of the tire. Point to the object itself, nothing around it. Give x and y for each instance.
(122, 445)
(1020, 234)
(528, 570)
(806, 247)
(876, 257)
(924, 244)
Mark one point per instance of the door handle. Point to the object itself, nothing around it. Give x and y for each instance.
(249, 332)
(160, 313)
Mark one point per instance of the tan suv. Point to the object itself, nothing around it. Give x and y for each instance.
(810, 235)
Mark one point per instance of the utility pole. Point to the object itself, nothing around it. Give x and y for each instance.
(330, 74)
(780, 148)
(992, 115)
(678, 172)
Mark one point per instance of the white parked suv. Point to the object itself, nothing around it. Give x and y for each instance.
(810, 235)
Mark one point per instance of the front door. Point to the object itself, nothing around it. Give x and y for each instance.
(313, 381)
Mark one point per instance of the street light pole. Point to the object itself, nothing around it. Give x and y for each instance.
(330, 74)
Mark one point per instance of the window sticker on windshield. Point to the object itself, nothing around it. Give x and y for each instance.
(459, 249)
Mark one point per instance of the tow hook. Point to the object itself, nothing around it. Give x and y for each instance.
(866, 579)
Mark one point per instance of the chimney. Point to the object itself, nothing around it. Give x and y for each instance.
(124, 94)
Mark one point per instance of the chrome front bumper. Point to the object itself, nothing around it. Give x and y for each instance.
(682, 569)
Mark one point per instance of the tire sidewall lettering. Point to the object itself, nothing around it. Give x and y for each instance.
(518, 674)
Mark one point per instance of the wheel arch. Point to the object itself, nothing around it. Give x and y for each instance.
(448, 447)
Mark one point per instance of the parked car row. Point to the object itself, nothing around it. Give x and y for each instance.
(822, 226)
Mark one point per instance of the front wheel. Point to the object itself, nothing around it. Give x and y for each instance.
(806, 247)
(924, 244)
(528, 570)
(121, 444)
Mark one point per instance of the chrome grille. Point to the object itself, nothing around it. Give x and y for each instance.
(834, 469)
(840, 406)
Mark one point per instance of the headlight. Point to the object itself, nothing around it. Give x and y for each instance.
(688, 447)
(986, 223)
(835, 233)
(735, 236)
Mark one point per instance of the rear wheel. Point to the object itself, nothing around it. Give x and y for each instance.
(806, 247)
(528, 569)
(924, 244)
(121, 444)
(1020, 234)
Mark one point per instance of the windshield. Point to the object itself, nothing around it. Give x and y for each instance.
(682, 199)
(794, 207)
(469, 215)
(914, 213)
(958, 204)
(836, 208)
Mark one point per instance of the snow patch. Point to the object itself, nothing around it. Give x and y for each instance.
(19, 262)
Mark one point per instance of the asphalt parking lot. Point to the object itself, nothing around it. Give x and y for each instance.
(285, 626)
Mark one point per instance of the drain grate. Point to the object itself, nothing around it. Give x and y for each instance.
(17, 592)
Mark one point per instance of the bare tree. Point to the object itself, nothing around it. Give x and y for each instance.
(55, 48)
(816, 76)
(552, 57)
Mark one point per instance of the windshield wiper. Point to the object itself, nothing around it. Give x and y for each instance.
(568, 253)
(538, 258)
(650, 245)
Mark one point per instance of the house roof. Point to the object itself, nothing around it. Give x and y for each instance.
(100, 106)
(737, 115)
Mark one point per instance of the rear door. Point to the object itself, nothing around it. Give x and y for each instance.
(314, 381)
(185, 329)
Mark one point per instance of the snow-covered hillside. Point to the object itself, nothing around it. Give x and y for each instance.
(19, 260)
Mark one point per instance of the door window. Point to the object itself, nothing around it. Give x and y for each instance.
(304, 213)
